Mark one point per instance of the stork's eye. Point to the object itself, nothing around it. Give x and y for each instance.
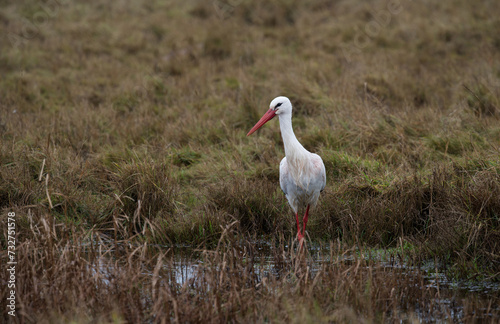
(279, 104)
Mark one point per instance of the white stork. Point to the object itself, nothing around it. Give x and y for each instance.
(302, 173)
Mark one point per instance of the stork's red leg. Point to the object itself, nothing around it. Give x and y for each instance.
(299, 234)
(306, 216)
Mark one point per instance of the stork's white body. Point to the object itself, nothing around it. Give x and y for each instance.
(302, 173)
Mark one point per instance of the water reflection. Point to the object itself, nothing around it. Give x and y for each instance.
(184, 265)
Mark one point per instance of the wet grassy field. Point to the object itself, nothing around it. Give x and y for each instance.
(123, 130)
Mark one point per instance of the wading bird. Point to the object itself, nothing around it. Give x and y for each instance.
(302, 173)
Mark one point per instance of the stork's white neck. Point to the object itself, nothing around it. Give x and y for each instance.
(293, 148)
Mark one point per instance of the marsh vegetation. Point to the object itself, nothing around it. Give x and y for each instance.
(123, 138)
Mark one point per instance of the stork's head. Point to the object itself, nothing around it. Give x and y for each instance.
(279, 106)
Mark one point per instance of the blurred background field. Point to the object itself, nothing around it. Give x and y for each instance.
(127, 120)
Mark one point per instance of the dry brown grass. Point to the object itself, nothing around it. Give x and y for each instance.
(68, 276)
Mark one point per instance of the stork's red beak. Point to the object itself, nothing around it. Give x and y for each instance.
(270, 114)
